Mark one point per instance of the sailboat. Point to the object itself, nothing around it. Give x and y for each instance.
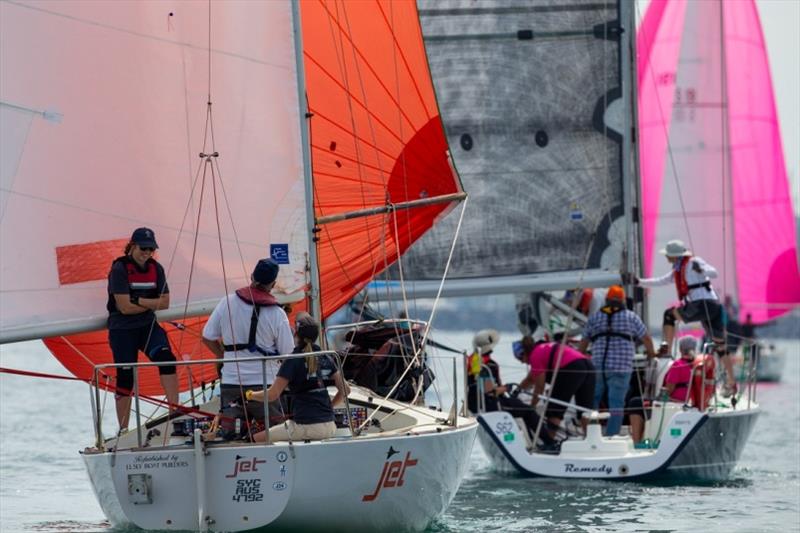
(539, 103)
(320, 145)
(713, 171)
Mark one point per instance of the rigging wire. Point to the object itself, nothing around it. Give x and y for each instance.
(670, 152)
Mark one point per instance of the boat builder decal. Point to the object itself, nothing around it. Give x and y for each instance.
(158, 460)
(594, 469)
(392, 475)
(244, 464)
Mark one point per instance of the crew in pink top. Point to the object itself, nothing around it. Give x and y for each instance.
(540, 356)
(575, 378)
(679, 375)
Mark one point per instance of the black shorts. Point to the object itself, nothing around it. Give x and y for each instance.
(709, 312)
(635, 406)
(576, 379)
(126, 343)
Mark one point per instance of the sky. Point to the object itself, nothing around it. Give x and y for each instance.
(780, 20)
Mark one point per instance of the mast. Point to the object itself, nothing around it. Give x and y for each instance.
(630, 153)
(314, 306)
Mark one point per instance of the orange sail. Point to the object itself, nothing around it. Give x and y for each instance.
(376, 137)
(375, 134)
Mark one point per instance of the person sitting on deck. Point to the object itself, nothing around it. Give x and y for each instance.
(613, 332)
(676, 385)
(575, 376)
(483, 369)
(312, 406)
(699, 303)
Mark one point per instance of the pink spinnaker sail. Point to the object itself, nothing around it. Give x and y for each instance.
(713, 171)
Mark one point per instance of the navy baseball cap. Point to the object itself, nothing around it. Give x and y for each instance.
(144, 238)
(266, 271)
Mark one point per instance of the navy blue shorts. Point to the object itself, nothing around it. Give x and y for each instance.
(127, 343)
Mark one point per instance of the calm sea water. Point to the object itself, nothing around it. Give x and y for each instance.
(44, 487)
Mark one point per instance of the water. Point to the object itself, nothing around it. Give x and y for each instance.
(44, 487)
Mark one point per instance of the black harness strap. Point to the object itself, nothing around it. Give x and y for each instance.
(251, 340)
(706, 284)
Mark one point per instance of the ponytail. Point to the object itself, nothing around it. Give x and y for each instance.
(311, 361)
(128, 248)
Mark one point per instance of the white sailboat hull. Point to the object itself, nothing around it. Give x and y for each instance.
(694, 446)
(339, 484)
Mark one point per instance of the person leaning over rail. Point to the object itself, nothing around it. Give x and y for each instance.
(613, 332)
(699, 303)
(484, 372)
(305, 380)
(575, 377)
(137, 287)
(260, 327)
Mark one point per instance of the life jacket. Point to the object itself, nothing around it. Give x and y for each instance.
(258, 299)
(703, 382)
(142, 283)
(679, 275)
(610, 310)
(474, 364)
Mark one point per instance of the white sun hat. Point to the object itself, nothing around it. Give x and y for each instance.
(675, 248)
(485, 340)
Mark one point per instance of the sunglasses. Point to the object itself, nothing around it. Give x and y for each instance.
(147, 249)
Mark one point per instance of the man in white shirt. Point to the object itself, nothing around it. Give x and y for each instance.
(260, 328)
(699, 303)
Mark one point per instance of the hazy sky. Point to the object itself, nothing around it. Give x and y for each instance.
(780, 20)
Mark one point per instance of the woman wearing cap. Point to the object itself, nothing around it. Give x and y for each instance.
(575, 377)
(699, 303)
(137, 287)
(305, 380)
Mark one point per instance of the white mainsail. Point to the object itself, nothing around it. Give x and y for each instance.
(103, 117)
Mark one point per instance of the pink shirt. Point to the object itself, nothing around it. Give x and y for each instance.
(539, 359)
(679, 373)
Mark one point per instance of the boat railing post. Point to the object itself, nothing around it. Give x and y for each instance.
(136, 400)
(755, 353)
(340, 371)
(455, 393)
(465, 383)
(95, 395)
(266, 401)
(200, 480)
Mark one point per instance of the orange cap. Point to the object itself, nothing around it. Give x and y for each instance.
(615, 292)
